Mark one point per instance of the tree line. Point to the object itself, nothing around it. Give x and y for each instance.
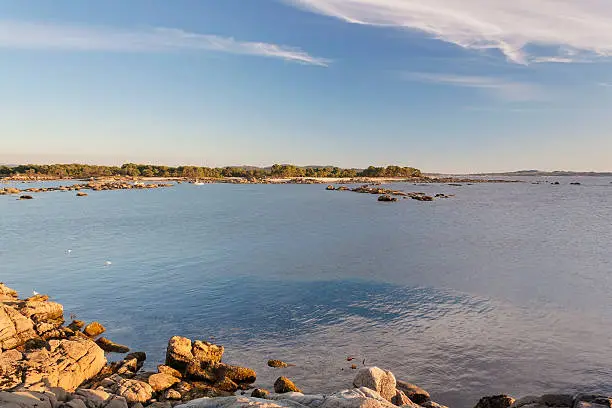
(195, 172)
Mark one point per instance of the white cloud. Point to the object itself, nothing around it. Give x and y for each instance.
(500, 87)
(48, 36)
(520, 29)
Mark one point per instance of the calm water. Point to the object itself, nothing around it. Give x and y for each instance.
(504, 288)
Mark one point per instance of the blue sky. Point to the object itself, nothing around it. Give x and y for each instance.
(441, 85)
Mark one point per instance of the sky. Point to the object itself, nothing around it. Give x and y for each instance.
(443, 85)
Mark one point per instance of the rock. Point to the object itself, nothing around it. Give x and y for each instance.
(226, 385)
(210, 372)
(81, 194)
(169, 370)
(414, 392)
(7, 294)
(111, 347)
(161, 382)
(178, 354)
(240, 374)
(67, 363)
(35, 344)
(400, 399)
(172, 395)
(431, 404)
(76, 325)
(239, 402)
(117, 402)
(330, 188)
(26, 197)
(204, 351)
(496, 401)
(15, 328)
(283, 385)
(260, 393)
(94, 329)
(592, 401)
(134, 391)
(92, 397)
(26, 399)
(557, 400)
(75, 403)
(11, 369)
(376, 379)
(356, 398)
(140, 356)
(160, 404)
(387, 198)
(277, 364)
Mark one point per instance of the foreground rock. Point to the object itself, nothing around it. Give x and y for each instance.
(378, 380)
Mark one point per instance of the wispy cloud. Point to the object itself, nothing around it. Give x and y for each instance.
(49, 36)
(605, 84)
(523, 30)
(500, 87)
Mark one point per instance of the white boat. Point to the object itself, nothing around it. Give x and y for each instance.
(199, 183)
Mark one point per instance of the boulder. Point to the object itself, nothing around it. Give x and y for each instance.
(94, 329)
(414, 392)
(111, 347)
(6, 293)
(226, 385)
(66, 364)
(76, 325)
(496, 401)
(592, 401)
(374, 378)
(134, 391)
(11, 369)
(205, 351)
(239, 402)
(26, 197)
(283, 385)
(92, 397)
(161, 382)
(15, 328)
(387, 198)
(172, 395)
(240, 374)
(26, 399)
(356, 398)
(178, 353)
(169, 370)
(277, 364)
(401, 399)
(260, 393)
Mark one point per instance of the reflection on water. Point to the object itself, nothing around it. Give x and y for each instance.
(502, 289)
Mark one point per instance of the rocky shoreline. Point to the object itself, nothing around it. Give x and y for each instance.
(92, 185)
(47, 364)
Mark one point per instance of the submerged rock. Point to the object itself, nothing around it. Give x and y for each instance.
(277, 364)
